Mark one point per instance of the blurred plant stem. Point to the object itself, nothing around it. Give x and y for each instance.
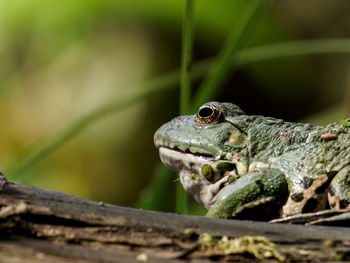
(186, 58)
(163, 83)
(213, 82)
(185, 88)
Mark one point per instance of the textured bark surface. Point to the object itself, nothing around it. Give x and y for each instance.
(46, 226)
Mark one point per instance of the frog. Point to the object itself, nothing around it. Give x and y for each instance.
(241, 166)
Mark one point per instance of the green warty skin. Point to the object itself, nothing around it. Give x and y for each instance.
(233, 163)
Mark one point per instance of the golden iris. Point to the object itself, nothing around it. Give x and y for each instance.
(208, 115)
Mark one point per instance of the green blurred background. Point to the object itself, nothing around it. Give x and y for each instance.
(60, 60)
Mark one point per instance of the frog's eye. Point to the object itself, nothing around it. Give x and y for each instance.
(208, 115)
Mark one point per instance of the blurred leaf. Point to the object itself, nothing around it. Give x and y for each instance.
(293, 48)
(148, 91)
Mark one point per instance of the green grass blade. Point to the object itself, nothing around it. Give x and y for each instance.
(185, 88)
(223, 65)
(186, 58)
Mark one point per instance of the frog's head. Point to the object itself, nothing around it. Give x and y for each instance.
(205, 149)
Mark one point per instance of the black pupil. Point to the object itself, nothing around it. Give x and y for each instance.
(205, 112)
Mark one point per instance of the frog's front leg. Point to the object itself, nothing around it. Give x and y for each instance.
(261, 186)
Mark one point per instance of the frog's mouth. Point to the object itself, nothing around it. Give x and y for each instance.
(179, 160)
(202, 176)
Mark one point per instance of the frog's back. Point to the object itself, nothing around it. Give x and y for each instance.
(311, 166)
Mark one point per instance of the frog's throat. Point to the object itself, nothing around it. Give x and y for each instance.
(189, 168)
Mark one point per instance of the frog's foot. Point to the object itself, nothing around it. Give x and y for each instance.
(258, 195)
(335, 217)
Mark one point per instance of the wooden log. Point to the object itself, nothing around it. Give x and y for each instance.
(38, 225)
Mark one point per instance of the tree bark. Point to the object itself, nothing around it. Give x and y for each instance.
(38, 225)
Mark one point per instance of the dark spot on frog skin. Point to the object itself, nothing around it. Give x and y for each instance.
(207, 172)
(310, 205)
(261, 185)
(331, 174)
(278, 150)
(251, 153)
(336, 149)
(322, 188)
(331, 192)
(297, 197)
(176, 164)
(300, 167)
(343, 203)
(194, 177)
(332, 205)
(306, 182)
(225, 166)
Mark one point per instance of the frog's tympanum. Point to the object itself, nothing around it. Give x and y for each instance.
(243, 166)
